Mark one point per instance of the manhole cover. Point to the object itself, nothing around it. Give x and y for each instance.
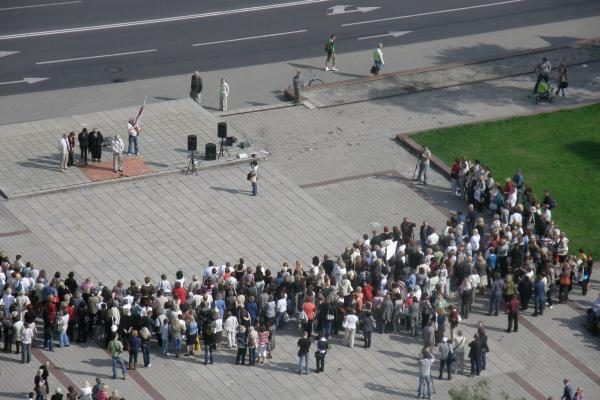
(118, 80)
(113, 69)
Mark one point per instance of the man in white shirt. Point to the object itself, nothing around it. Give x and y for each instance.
(432, 239)
(63, 148)
(117, 148)
(134, 132)
(424, 156)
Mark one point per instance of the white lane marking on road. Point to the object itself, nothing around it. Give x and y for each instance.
(390, 33)
(93, 57)
(250, 38)
(41, 5)
(433, 12)
(161, 20)
(25, 80)
(337, 10)
(7, 53)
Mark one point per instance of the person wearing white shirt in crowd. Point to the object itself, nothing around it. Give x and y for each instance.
(432, 239)
(231, 326)
(475, 240)
(349, 325)
(63, 148)
(164, 285)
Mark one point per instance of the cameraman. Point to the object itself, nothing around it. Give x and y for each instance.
(424, 156)
(426, 359)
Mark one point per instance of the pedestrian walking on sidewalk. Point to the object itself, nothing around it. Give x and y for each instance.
(224, 95)
(297, 83)
(63, 148)
(330, 50)
(117, 148)
(377, 59)
(133, 131)
(543, 72)
(563, 82)
(196, 87)
(83, 146)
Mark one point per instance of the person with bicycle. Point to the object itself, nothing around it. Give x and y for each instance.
(426, 359)
(330, 50)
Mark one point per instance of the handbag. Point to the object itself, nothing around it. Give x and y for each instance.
(197, 344)
(249, 176)
(374, 69)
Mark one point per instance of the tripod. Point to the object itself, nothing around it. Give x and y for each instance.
(191, 168)
(223, 149)
(416, 167)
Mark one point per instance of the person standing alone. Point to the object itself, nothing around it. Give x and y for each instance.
(224, 95)
(63, 147)
(134, 132)
(196, 87)
(424, 157)
(253, 177)
(297, 82)
(117, 148)
(330, 50)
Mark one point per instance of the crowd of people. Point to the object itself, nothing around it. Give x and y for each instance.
(388, 282)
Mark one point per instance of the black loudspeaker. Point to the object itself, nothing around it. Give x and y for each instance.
(222, 130)
(210, 152)
(192, 142)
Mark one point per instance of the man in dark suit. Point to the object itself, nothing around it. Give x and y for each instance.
(83, 145)
(567, 390)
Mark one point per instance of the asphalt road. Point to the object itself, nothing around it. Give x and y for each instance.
(156, 38)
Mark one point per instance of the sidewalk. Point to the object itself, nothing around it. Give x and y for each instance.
(30, 162)
(407, 82)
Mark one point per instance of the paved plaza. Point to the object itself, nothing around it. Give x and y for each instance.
(330, 175)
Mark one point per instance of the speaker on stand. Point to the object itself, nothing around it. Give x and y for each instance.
(222, 134)
(192, 144)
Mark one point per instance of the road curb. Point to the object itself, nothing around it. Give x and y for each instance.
(127, 179)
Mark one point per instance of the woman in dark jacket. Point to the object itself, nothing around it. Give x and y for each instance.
(95, 141)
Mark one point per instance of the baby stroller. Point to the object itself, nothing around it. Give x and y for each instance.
(544, 93)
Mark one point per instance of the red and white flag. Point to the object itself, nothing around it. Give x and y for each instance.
(138, 119)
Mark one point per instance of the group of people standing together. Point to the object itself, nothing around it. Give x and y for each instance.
(197, 86)
(91, 144)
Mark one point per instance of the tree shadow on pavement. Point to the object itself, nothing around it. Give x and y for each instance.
(579, 331)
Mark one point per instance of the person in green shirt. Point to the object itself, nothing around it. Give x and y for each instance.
(330, 49)
(378, 59)
(116, 349)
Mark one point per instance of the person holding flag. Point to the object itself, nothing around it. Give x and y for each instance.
(134, 128)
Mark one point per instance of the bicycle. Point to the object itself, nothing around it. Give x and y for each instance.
(312, 78)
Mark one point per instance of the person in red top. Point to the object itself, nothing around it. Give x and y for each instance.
(310, 310)
(179, 293)
(367, 292)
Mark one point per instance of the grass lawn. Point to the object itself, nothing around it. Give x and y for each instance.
(559, 151)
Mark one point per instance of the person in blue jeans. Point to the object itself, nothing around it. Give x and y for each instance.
(425, 361)
(303, 350)
(497, 291)
(135, 343)
(483, 339)
(116, 349)
(145, 336)
(539, 292)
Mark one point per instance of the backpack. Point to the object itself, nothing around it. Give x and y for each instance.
(209, 329)
(565, 280)
(251, 341)
(327, 47)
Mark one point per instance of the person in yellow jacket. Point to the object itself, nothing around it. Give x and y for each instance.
(378, 59)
